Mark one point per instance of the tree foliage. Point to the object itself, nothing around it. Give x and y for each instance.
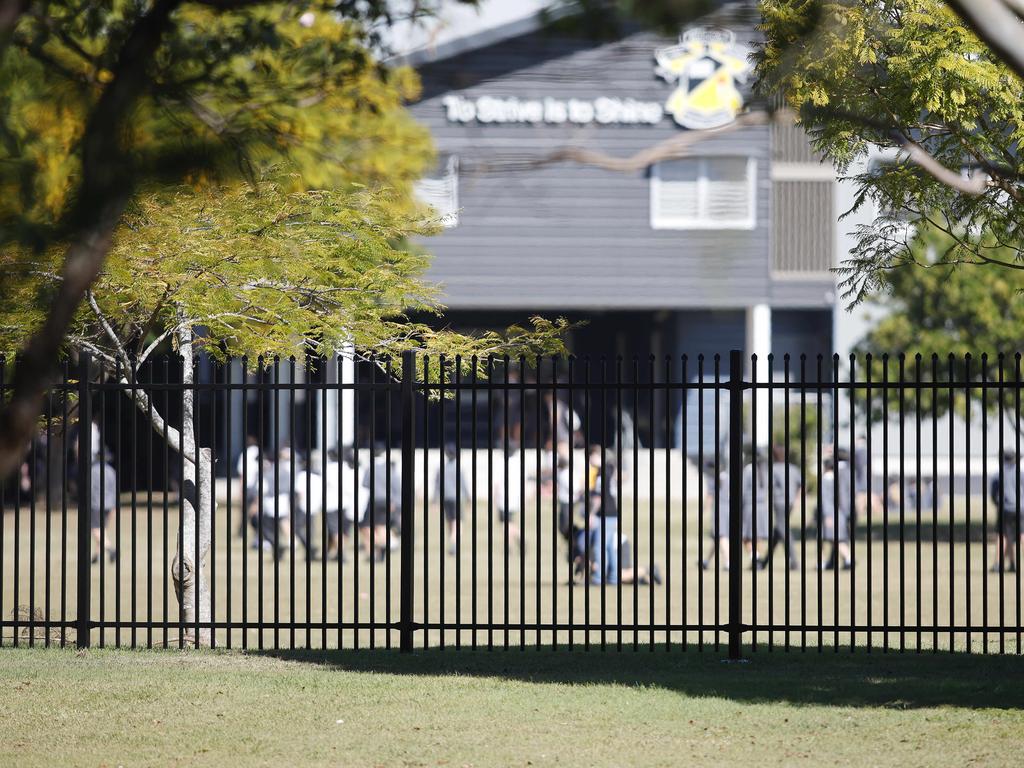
(231, 93)
(259, 271)
(947, 322)
(910, 77)
(197, 119)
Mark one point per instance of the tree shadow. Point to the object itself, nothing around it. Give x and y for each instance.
(857, 679)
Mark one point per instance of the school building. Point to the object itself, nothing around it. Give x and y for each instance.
(635, 183)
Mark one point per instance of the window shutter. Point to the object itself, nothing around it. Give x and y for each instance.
(678, 190)
(728, 190)
(442, 193)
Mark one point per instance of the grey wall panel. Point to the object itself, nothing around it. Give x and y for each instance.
(566, 235)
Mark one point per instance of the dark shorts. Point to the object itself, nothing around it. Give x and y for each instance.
(380, 515)
(336, 523)
(506, 515)
(451, 510)
(96, 518)
(1010, 524)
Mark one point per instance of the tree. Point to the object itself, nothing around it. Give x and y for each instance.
(948, 322)
(907, 76)
(256, 272)
(98, 98)
(287, 233)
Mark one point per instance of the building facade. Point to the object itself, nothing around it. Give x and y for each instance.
(576, 177)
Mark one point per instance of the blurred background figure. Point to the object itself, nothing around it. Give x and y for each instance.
(716, 512)
(1008, 496)
(786, 485)
(834, 512)
(102, 499)
(247, 469)
(451, 490)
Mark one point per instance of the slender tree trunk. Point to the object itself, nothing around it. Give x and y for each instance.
(191, 585)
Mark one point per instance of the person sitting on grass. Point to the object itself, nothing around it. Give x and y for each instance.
(1008, 497)
(604, 527)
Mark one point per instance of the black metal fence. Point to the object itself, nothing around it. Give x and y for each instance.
(691, 503)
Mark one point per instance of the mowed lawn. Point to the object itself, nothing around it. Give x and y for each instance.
(533, 707)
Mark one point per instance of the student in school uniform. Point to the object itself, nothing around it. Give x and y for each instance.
(247, 470)
(309, 504)
(755, 505)
(716, 514)
(452, 492)
(604, 527)
(508, 498)
(276, 514)
(381, 516)
(1008, 498)
(101, 501)
(786, 485)
(340, 512)
(835, 520)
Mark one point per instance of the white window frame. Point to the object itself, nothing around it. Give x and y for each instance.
(661, 220)
(450, 179)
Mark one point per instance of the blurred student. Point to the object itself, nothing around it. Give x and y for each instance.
(604, 527)
(508, 498)
(273, 521)
(755, 505)
(835, 519)
(1008, 497)
(716, 511)
(566, 495)
(102, 499)
(451, 490)
(247, 470)
(787, 483)
(383, 486)
(309, 502)
(340, 514)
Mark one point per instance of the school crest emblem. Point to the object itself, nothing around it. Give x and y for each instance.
(706, 65)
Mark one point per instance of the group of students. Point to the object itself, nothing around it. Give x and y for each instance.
(834, 509)
(587, 512)
(331, 490)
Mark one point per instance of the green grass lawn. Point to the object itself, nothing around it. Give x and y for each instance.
(533, 707)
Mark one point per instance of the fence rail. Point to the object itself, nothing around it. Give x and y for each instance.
(590, 503)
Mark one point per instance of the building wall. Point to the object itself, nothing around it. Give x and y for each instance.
(563, 236)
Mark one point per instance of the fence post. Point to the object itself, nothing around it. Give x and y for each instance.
(735, 502)
(84, 501)
(408, 497)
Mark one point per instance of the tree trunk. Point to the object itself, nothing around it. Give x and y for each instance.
(190, 584)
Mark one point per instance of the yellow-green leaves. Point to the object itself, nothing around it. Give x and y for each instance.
(865, 74)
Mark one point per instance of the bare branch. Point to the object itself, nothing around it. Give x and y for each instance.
(676, 146)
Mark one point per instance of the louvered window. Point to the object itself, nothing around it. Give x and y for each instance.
(441, 191)
(703, 193)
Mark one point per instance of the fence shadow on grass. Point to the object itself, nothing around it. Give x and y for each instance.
(859, 679)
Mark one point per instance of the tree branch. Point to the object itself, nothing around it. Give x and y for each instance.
(676, 146)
